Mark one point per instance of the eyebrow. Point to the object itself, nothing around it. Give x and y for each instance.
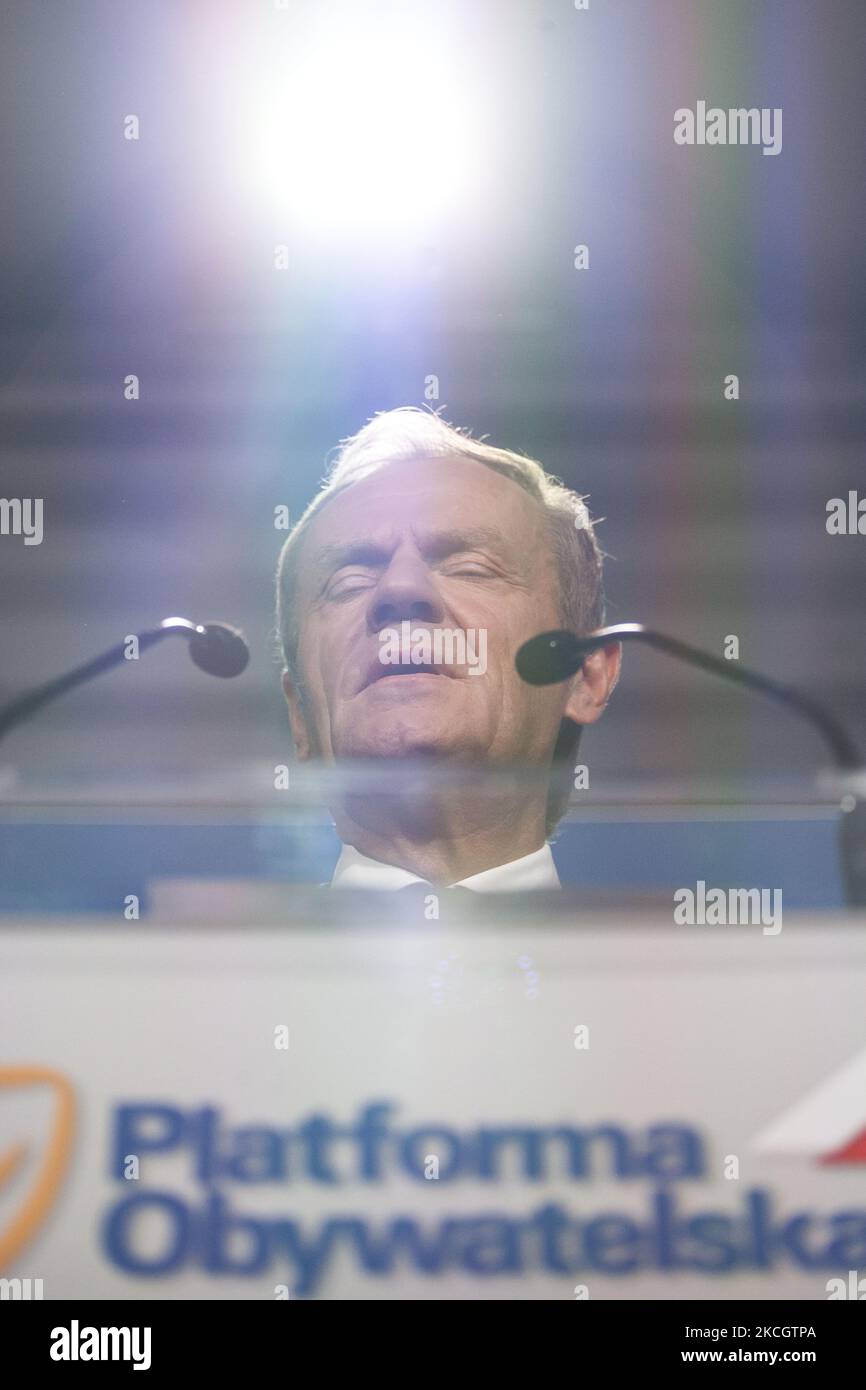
(438, 544)
(333, 557)
(435, 545)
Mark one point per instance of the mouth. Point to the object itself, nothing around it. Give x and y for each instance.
(402, 672)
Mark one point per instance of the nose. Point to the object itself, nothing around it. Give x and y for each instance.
(405, 590)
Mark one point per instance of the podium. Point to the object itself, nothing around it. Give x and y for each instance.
(525, 1101)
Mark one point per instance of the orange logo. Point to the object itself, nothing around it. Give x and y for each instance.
(49, 1174)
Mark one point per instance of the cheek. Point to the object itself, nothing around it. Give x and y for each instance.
(540, 707)
(320, 650)
(335, 645)
(530, 613)
(314, 678)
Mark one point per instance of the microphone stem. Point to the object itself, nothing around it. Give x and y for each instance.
(25, 705)
(844, 749)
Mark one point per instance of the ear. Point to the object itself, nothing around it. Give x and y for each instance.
(297, 718)
(594, 684)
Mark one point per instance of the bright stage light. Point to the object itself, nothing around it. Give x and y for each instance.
(364, 131)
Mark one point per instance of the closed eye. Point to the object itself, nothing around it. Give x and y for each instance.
(350, 582)
(472, 569)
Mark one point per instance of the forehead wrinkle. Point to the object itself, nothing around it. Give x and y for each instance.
(446, 540)
(327, 555)
(432, 542)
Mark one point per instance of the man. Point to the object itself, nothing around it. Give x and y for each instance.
(424, 541)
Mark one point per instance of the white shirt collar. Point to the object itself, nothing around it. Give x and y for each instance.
(535, 871)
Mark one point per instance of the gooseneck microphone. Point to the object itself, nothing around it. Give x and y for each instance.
(216, 648)
(554, 656)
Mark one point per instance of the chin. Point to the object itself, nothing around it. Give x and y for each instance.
(405, 737)
(407, 746)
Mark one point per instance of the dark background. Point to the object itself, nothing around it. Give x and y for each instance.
(155, 257)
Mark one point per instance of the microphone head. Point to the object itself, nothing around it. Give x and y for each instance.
(219, 649)
(551, 657)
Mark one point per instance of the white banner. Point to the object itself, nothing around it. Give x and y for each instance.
(525, 1112)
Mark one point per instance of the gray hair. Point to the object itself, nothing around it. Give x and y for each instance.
(407, 434)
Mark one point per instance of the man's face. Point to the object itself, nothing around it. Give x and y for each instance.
(444, 543)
